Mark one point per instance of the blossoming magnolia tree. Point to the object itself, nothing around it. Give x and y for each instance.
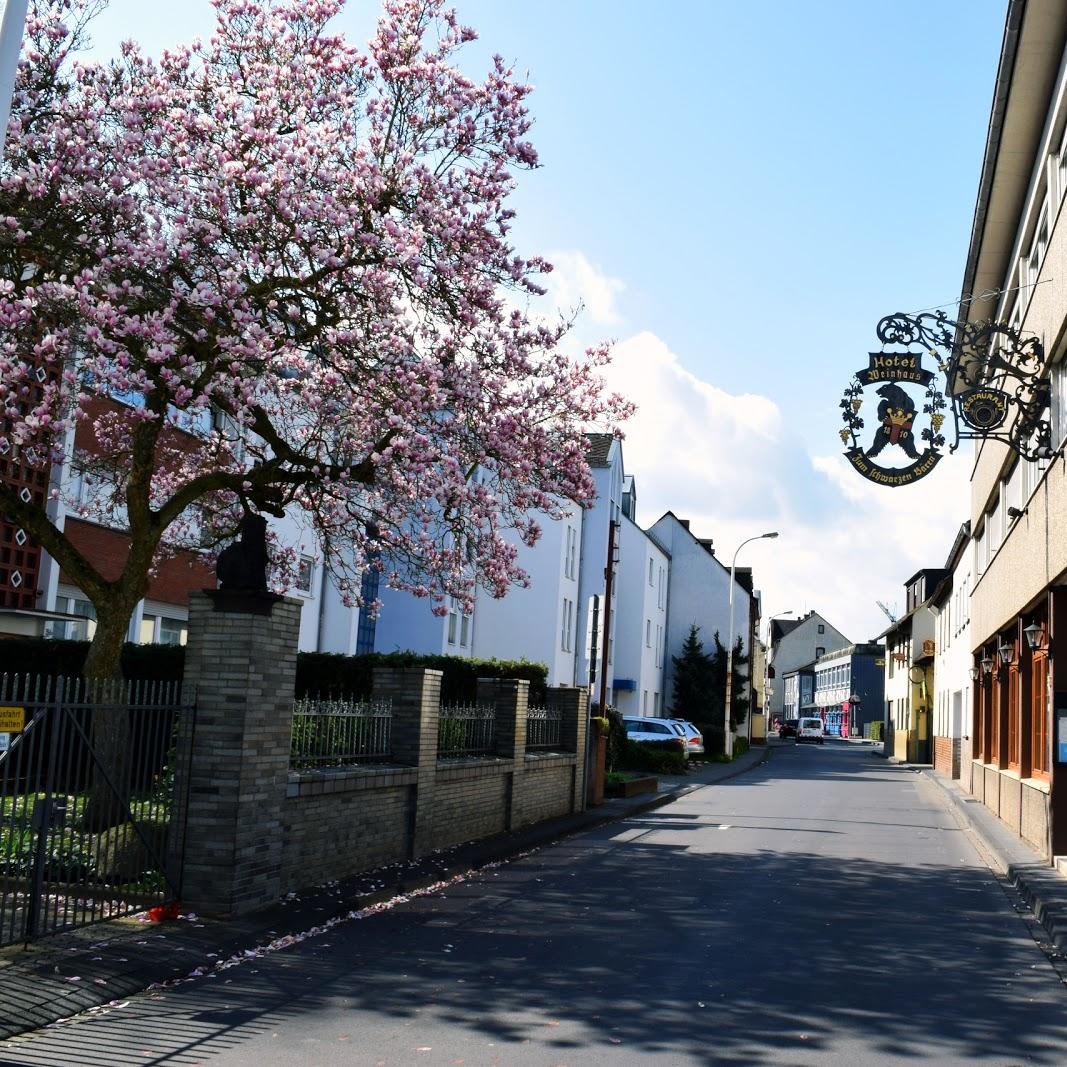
(299, 252)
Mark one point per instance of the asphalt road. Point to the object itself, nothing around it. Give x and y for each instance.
(824, 909)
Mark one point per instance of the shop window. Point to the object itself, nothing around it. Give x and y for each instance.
(1013, 717)
(1039, 758)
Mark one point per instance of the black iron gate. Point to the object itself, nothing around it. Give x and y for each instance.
(91, 818)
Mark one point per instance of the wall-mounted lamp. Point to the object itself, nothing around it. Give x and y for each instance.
(987, 664)
(1006, 652)
(1035, 635)
(1016, 513)
(974, 674)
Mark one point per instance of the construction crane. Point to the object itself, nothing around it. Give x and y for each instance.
(888, 614)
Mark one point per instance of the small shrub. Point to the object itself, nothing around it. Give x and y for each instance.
(714, 741)
(877, 731)
(655, 757)
(740, 746)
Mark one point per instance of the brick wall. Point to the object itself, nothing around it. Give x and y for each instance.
(947, 756)
(339, 822)
(344, 823)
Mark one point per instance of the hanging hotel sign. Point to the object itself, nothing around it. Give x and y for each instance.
(901, 446)
(992, 380)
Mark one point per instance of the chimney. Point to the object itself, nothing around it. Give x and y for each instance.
(685, 523)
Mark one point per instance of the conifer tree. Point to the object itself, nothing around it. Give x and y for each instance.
(693, 681)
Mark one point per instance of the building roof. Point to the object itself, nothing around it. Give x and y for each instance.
(598, 449)
(866, 648)
(780, 627)
(1030, 56)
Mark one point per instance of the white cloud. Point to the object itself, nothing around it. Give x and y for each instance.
(735, 467)
(575, 282)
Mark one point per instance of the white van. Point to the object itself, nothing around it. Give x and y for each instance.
(809, 730)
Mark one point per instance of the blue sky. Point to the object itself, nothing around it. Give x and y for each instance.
(738, 192)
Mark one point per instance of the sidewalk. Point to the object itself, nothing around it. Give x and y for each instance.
(99, 965)
(1043, 887)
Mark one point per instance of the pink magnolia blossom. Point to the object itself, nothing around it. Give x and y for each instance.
(291, 260)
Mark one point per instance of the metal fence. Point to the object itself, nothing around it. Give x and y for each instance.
(339, 733)
(543, 727)
(465, 730)
(89, 816)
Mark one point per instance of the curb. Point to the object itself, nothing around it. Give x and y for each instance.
(1040, 885)
(39, 989)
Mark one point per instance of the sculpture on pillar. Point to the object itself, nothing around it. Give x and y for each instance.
(242, 566)
(242, 571)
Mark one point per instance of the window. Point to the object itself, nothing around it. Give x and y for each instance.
(655, 703)
(1038, 716)
(80, 630)
(820, 652)
(1062, 165)
(981, 549)
(173, 632)
(453, 621)
(367, 623)
(1058, 385)
(304, 574)
(661, 600)
(644, 702)
(822, 629)
(567, 624)
(994, 525)
(648, 633)
(1013, 491)
(464, 630)
(570, 553)
(1037, 249)
(146, 633)
(651, 564)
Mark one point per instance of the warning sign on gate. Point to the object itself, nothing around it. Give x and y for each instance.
(12, 720)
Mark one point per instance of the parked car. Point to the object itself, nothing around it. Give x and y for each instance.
(641, 728)
(788, 728)
(810, 730)
(693, 737)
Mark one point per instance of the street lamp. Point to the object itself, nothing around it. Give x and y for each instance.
(974, 674)
(1034, 634)
(728, 739)
(987, 664)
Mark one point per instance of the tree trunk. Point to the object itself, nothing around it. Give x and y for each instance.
(109, 791)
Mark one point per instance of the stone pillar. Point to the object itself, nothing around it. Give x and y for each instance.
(243, 668)
(573, 704)
(511, 699)
(415, 695)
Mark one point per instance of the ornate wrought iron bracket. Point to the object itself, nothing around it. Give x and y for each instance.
(994, 384)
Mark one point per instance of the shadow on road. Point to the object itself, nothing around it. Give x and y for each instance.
(643, 936)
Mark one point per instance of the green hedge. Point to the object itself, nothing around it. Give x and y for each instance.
(656, 757)
(317, 673)
(65, 659)
(322, 673)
